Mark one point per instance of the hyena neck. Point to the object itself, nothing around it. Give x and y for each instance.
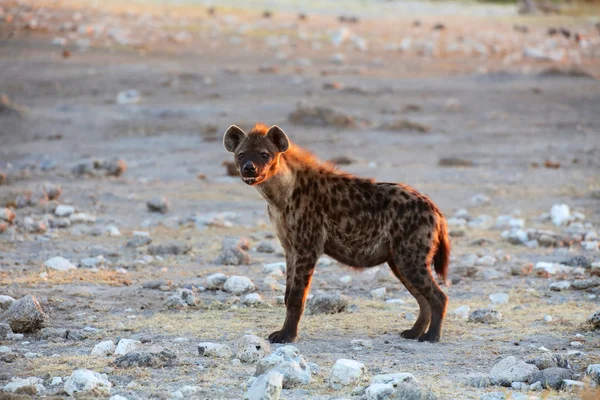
(279, 187)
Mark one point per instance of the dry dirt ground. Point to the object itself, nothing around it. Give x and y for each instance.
(196, 74)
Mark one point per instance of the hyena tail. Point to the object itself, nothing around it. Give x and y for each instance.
(441, 259)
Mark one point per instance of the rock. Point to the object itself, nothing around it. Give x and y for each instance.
(266, 387)
(62, 210)
(327, 304)
(251, 348)
(59, 264)
(21, 386)
(24, 315)
(6, 302)
(345, 372)
(5, 331)
(481, 222)
(276, 269)
(480, 380)
(570, 385)
(536, 386)
(480, 199)
(33, 226)
(551, 268)
(519, 386)
(593, 371)
(362, 343)
(549, 360)
(287, 361)
(593, 320)
(378, 294)
(158, 204)
(113, 167)
(215, 281)
(454, 162)
(173, 248)
(54, 334)
(579, 261)
(216, 350)
(6, 214)
(181, 299)
(393, 379)
(104, 349)
(266, 247)
(52, 191)
(485, 316)
(238, 285)
(252, 299)
(233, 252)
(551, 378)
(379, 391)
(583, 284)
(338, 58)
(499, 298)
(412, 391)
(492, 274)
(139, 241)
(309, 114)
(130, 96)
(158, 359)
(127, 345)
(403, 124)
(494, 396)
(558, 286)
(462, 311)
(516, 236)
(92, 262)
(86, 381)
(511, 370)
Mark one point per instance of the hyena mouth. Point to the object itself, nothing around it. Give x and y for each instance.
(251, 180)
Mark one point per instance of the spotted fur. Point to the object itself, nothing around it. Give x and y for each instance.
(317, 210)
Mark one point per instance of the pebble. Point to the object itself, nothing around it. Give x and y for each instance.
(104, 349)
(252, 299)
(593, 371)
(238, 285)
(551, 378)
(511, 369)
(24, 315)
(485, 316)
(62, 210)
(138, 241)
(59, 264)
(462, 311)
(266, 387)
(559, 286)
(560, 214)
(251, 348)
(287, 361)
(18, 383)
(126, 345)
(499, 298)
(181, 298)
(217, 350)
(6, 214)
(275, 269)
(158, 204)
(265, 247)
(152, 359)
(346, 280)
(327, 304)
(131, 96)
(215, 281)
(172, 248)
(92, 262)
(84, 380)
(6, 302)
(378, 294)
(233, 252)
(345, 372)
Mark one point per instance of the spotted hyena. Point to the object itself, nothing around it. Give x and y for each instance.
(317, 210)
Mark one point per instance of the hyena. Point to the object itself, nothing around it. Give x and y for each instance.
(317, 210)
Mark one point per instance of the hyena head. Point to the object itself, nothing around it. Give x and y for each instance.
(256, 153)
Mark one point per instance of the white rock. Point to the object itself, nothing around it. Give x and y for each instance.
(481, 222)
(480, 199)
(84, 380)
(456, 222)
(560, 214)
(251, 348)
(345, 372)
(288, 361)
(82, 218)
(215, 281)
(238, 285)
(252, 299)
(548, 318)
(368, 344)
(511, 370)
(576, 344)
(552, 268)
(127, 345)
(112, 230)
(338, 58)
(18, 383)
(487, 260)
(105, 349)
(394, 378)
(266, 387)
(5, 302)
(590, 246)
(216, 350)
(378, 294)
(57, 380)
(59, 264)
(63, 210)
(397, 302)
(346, 279)
(379, 391)
(570, 385)
(277, 269)
(131, 96)
(462, 311)
(562, 285)
(593, 371)
(117, 397)
(92, 262)
(499, 298)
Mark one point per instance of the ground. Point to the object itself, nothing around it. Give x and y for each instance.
(504, 115)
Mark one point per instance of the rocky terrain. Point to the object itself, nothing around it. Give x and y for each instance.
(134, 264)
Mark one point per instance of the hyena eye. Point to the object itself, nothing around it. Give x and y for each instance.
(265, 155)
(241, 156)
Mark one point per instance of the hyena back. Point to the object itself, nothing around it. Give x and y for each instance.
(317, 210)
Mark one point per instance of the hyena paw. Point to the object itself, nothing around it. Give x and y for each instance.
(282, 336)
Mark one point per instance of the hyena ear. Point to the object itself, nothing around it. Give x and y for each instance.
(232, 138)
(276, 135)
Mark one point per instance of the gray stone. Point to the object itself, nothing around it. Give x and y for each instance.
(54, 334)
(265, 247)
(593, 371)
(493, 396)
(412, 391)
(86, 381)
(511, 370)
(59, 264)
(345, 372)
(158, 204)
(327, 304)
(309, 114)
(570, 385)
(63, 210)
(215, 281)
(105, 349)
(233, 252)
(584, 284)
(379, 391)
(127, 345)
(138, 241)
(181, 299)
(238, 285)
(92, 262)
(25, 315)
(158, 359)
(276, 269)
(33, 384)
(251, 348)
(288, 361)
(216, 350)
(252, 299)
(393, 379)
(485, 316)
(548, 360)
(173, 248)
(5, 331)
(551, 378)
(6, 302)
(266, 387)
(594, 320)
(480, 380)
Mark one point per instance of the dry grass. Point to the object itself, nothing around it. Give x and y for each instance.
(33, 279)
